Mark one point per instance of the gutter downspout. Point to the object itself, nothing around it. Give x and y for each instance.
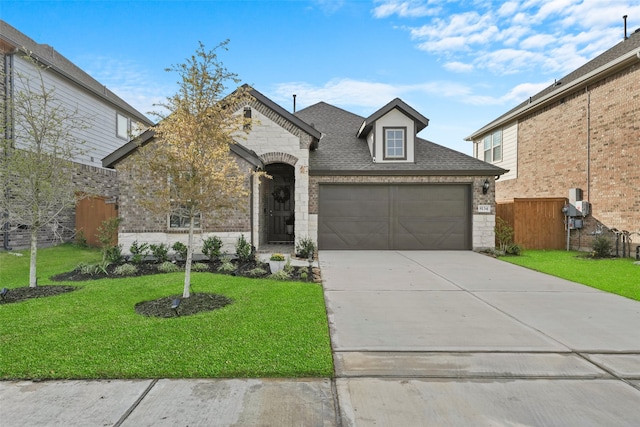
(8, 128)
(588, 144)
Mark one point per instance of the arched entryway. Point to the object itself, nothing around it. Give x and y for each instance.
(280, 203)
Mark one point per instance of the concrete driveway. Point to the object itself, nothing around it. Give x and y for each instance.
(460, 339)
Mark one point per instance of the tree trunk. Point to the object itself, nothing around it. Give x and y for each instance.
(33, 280)
(186, 293)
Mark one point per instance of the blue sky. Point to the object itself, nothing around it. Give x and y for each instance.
(459, 63)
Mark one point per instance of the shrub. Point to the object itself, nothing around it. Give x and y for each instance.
(114, 255)
(211, 247)
(513, 249)
(280, 275)
(226, 267)
(180, 249)
(601, 247)
(256, 272)
(160, 252)
(138, 252)
(277, 257)
(92, 269)
(504, 234)
(107, 233)
(304, 276)
(305, 248)
(288, 267)
(168, 267)
(199, 266)
(244, 251)
(81, 240)
(125, 270)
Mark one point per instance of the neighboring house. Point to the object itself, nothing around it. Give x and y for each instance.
(344, 181)
(111, 122)
(582, 132)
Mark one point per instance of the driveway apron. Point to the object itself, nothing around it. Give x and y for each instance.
(458, 338)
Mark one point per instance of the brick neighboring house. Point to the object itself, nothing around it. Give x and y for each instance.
(581, 132)
(111, 118)
(344, 181)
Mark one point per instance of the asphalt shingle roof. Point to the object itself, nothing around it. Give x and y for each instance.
(341, 151)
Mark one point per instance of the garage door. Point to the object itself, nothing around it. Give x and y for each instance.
(360, 216)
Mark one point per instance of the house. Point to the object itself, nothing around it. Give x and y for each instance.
(582, 134)
(111, 122)
(344, 181)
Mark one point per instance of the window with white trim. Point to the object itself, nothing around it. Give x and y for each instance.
(395, 143)
(122, 126)
(493, 147)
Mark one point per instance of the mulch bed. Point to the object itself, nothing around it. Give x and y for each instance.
(25, 293)
(146, 268)
(196, 303)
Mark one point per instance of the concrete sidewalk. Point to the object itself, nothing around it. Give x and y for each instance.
(419, 339)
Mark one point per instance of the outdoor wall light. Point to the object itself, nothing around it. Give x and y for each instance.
(174, 305)
(485, 186)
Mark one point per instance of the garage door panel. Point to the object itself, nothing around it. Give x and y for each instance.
(360, 216)
(348, 234)
(415, 233)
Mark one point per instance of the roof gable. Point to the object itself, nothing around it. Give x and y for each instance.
(420, 120)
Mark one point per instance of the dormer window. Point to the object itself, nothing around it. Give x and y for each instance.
(395, 143)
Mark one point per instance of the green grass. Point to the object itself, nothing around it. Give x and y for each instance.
(616, 275)
(272, 329)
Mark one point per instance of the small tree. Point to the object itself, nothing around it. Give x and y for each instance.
(37, 169)
(190, 159)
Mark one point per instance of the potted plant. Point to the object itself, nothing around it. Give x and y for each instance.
(276, 262)
(289, 223)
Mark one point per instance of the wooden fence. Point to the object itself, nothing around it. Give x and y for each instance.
(90, 212)
(537, 223)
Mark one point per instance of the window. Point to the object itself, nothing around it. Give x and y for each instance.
(179, 219)
(493, 147)
(247, 118)
(179, 215)
(395, 143)
(122, 126)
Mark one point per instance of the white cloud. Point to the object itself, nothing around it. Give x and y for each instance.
(516, 95)
(548, 37)
(537, 41)
(347, 93)
(404, 9)
(507, 9)
(459, 67)
(329, 7)
(129, 80)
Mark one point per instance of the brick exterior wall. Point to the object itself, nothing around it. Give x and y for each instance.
(590, 140)
(90, 179)
(483, 236)
(138, 223)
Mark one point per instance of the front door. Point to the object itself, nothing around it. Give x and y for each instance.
(281, 206)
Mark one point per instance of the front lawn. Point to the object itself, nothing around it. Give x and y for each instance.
(616, 275)
(272, 328)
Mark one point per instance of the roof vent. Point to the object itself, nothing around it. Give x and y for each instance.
(624, 18)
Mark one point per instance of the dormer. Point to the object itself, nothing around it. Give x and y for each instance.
(391, 132)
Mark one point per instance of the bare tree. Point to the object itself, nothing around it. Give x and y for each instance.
(197, 178)
(37, 164)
